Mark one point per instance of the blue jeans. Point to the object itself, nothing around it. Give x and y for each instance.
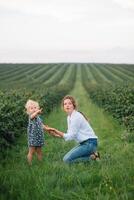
(82, 152)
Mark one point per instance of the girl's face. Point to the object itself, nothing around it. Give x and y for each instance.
(68, 106)
(32, 108)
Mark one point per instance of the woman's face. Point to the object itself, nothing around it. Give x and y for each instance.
(68, 106)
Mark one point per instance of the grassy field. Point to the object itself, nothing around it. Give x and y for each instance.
(111, 178)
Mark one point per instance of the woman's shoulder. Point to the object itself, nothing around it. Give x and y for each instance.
(77, 115)
(81, 116)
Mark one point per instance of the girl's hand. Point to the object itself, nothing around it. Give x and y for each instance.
(54, 134)
(40, 111)
(46, 127)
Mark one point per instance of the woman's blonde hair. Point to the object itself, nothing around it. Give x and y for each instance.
(71, 99)
(30, 103)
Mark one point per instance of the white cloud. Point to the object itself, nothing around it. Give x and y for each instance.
(126, 3)
(41, 25)
(62, 10)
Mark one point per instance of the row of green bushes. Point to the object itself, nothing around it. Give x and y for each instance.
(117, 99)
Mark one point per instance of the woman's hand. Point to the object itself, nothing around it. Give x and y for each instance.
(54, 131)
(51, 129)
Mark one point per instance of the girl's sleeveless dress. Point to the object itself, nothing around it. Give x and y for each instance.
(35, 132)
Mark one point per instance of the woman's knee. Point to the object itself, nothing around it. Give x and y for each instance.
(67, 159)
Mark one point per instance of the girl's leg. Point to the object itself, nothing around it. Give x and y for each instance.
(30, 154)
(80, 153)
(39, 153)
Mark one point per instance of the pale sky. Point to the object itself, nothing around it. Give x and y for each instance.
(67, 31)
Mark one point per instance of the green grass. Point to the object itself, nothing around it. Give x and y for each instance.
(111, 178)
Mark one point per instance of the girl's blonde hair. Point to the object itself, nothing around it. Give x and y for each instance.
(30, 103)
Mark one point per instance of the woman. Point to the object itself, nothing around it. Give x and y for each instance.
(79, 130)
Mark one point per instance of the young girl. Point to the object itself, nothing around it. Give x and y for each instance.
(35, 130)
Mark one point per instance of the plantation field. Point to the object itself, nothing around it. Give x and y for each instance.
(26, 75)
(105, 94)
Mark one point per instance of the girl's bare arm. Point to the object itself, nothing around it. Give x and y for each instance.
(33, 115)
